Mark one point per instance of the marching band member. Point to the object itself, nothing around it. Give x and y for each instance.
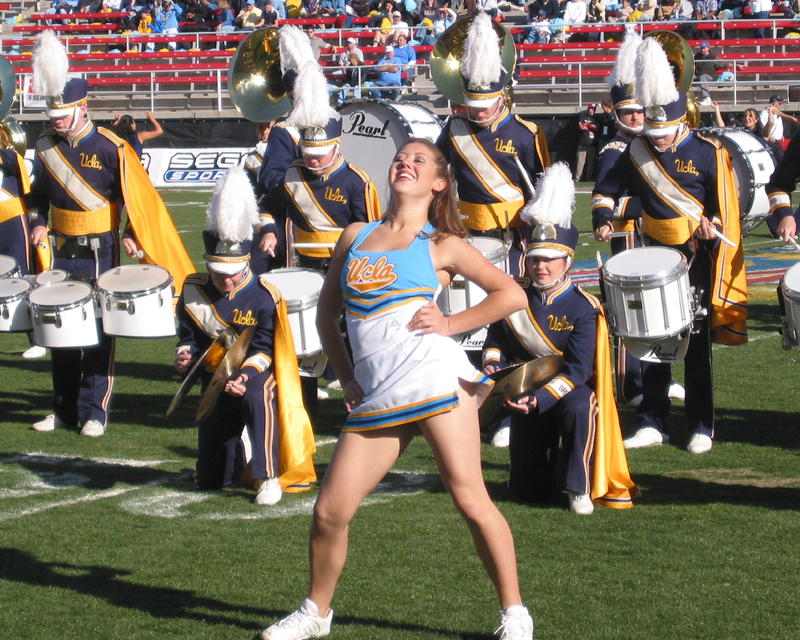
(283, 149)
(678, 173)
(484, 143)
(264, 395)
(254, 159)
(577, 406)
(409, 377)
(781, 184)
(321, 192)
(83, 175)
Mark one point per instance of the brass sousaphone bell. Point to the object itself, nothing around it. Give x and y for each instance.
(13, 134)
(446, 58)
(681, 59)
(254, 77)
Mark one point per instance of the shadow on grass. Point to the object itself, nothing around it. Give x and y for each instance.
(665, 490)
(111, 585)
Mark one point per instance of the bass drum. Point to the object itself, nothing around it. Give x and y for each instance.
(373, 130)
(753, 163)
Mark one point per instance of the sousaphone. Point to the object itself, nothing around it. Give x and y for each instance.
(254, 77)
(681, 59)
(13, 135)
(446, 58)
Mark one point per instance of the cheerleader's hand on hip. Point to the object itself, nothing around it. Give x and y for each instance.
(353, 394)
(429, 319)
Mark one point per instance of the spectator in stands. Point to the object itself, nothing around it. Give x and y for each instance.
(125, 128)
(539, 31)
(360, 8)
(429, 11)
(489, 7)
(387, 35)
(444, 21)
(330, 8)
(351, 49)
(596, 12)
(760, 10)
(749, 120)
(624, 14)
(706, 65)
(317, 43)
(270, 16)
(666, 10)
(404, 53)
(384, 13)
(703, 10)
(731, 9)
(550, 8)
(389, 75)
(227, 19)
(166, 21)
(279, 6)
(771, 119)
(352, 78)
(587, 143)
(575, 12)
(647, 9)
(250, 17)
(129, 23)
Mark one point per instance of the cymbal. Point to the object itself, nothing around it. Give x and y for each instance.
(197, 369)
(513, 381)
(229, 365)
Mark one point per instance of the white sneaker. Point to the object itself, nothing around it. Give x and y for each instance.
(501, 437)
(303, 623)
(646, 437)
(676, 391)
(34, 352)
(269, 492)
(699, 443)
(50, 423)
(335, 385)
(322, 394)
(515, 624)
(705, 102)
(581, 503)
(93, 429)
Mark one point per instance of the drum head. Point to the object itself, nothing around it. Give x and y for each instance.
(644, 263)
(13, 287)
(298, 286)
(8, 265)
(373, 131)
(133, 278)
(51, 275)
(59, 294)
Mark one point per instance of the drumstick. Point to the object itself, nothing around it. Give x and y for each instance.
(794, 242)
(696, 218)
(525, 177)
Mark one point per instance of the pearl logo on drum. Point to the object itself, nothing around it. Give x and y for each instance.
(358, 128)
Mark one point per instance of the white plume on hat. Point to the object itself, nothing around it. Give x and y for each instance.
(233, 213)
(294, 48)
(50, 65)
(481, 64)
(654, 83)
(311, 99)
(555, 198)
(625, 65)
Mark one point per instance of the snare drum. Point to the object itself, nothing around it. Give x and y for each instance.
(753, 163)
(650, 302)
(52, 275)
(8, 267)
(136, 301)
(462, 294)
(64, 314)
(300, 288)
(373, 131)
(14, 314)
(790, 291)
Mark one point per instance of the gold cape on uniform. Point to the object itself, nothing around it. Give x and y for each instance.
(150, 221)
(611, 483)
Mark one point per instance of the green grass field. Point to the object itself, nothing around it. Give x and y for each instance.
(106, 538)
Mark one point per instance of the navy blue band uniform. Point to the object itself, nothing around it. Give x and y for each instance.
(283, 149)
(627, 221)
(77, 188)
(782, 182)
(203, 314)
(321, 205)
(490, 187)
(14, 227)
(561, 321)
(695, 175)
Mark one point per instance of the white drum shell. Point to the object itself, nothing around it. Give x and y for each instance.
(373, 131)
(790, 287)
(300, 288)
(649, 298)
(9, 268)
(136, 301)
(14, 314)
(462, 294)
(64, 314)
